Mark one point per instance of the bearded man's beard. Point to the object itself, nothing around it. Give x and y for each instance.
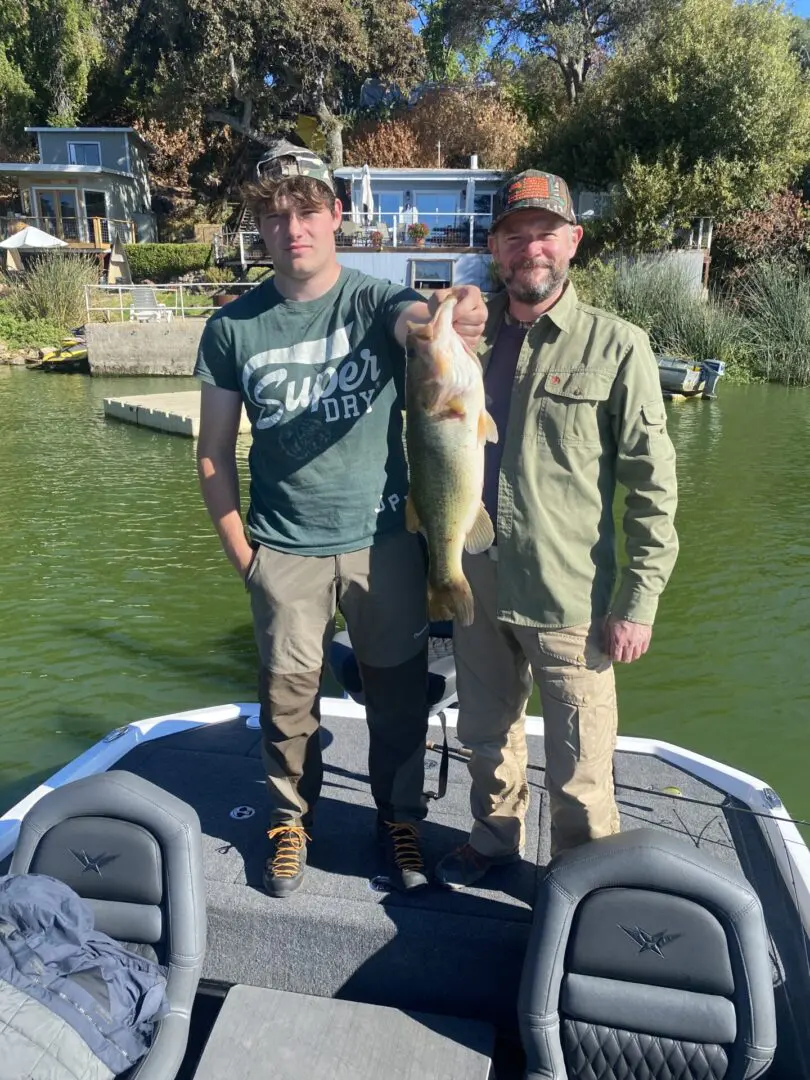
(528, 292)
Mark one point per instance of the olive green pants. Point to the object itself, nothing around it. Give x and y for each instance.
(495, 663)
(381, 592)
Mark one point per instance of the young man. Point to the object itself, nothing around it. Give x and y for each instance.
(316, 356)
(575, 394)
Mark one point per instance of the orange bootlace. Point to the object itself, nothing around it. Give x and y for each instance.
(406, 848)
(291, 842)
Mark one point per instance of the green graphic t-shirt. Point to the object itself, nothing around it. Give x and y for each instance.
(322, 382)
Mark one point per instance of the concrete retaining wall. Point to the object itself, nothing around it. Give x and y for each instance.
(159, 348)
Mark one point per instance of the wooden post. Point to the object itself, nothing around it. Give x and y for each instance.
(96, 231)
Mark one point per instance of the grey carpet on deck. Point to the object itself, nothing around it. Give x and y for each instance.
(437, 951)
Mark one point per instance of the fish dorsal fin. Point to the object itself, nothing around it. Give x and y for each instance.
(487, 431)
(481, 536)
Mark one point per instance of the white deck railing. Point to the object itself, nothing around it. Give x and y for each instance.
(99, 231)
(153, 303)
(372, 233)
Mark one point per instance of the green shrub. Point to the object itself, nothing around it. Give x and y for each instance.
(775, 298)
(163, 263)
(52, 288)
(220, 274)
(17, 333)
(595, 284)
(257, 273)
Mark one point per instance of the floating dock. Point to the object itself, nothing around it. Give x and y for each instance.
(176, 413)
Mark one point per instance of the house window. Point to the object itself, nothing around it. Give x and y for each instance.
(437, 209)
(84, 153)
(482, 204)
(431, 273)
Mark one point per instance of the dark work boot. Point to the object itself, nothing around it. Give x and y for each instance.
(284, 869)
(465, 866)
(404, 864)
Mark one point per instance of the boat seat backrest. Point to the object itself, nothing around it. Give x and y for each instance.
(647, 960)
(441, 688)
(134, 852)
(117, 866)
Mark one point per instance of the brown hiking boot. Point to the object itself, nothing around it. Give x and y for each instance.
(284, 869)
(405, 867)
(465, 866)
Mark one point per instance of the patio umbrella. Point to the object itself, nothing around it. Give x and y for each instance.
(366, 195)
(32, 239)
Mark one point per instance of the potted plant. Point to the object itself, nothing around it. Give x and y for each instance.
(417, 233)
(376, 240)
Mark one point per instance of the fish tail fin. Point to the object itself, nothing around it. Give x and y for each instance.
(451, 600)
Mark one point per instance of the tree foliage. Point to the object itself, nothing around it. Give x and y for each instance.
(710, 116)
(255, 65)
(574, 35)
(47, 51)
(456, 122)
(779, 230)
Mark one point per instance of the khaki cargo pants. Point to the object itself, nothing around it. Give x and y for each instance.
(381, 592)
(495, 662)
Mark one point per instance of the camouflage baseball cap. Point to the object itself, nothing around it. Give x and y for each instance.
(533, 190)
(283, 159)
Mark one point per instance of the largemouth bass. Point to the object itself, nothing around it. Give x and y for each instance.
(447, 427)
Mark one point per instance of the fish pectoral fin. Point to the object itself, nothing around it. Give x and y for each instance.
(448, 409)
(487, 431)
(412, 522)
(481, 536)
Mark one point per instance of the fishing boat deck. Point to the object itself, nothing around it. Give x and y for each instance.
(345, 935)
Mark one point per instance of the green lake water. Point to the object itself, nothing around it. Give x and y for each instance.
(116, 603)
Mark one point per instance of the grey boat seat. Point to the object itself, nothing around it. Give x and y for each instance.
(647, 960)
(441, 667)
(134, 853)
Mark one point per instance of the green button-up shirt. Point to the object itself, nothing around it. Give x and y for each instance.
(586, 411)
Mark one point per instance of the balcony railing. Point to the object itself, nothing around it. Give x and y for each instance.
(98, 231)
(389, 231)
(394, 230)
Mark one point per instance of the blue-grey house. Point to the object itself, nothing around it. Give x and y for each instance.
(421, 227)
(89, 187)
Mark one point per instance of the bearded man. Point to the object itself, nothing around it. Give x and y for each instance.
(576, 397)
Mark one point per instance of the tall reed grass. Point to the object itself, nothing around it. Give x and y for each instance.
(775, 300)
(52, 288)
(661, 297)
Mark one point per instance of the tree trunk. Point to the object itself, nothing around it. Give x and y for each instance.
(332, 127)
(573, 69)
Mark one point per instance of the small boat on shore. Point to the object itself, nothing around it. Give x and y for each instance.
(68, 357)
(689, 378)
(678, 948)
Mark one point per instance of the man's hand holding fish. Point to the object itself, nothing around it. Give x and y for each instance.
(469, 313)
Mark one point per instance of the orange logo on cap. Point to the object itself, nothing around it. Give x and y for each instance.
(530, 187)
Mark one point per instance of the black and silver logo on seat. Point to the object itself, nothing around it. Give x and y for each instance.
(92, 862)
(653, 943)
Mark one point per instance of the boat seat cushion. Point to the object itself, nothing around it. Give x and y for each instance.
(647, 959)
(134, 852)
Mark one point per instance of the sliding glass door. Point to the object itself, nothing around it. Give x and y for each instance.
(58, 212)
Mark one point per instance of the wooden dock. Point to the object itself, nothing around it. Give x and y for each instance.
(176, 413)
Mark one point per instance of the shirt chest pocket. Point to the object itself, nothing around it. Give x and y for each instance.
(572, 407)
